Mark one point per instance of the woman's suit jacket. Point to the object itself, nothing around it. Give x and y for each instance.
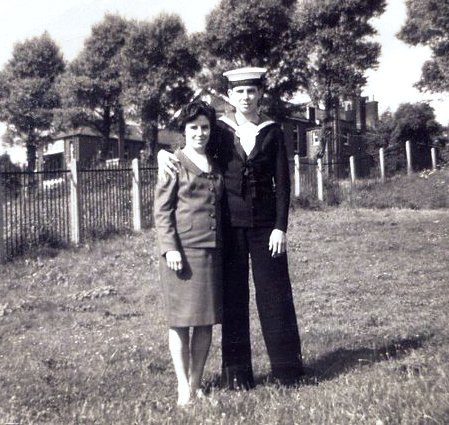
(188, 208)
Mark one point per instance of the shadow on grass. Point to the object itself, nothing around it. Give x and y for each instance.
(342, 360)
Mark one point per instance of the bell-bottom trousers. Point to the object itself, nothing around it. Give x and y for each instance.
(275, 307)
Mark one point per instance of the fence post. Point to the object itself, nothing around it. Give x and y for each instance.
(319, 175)
(74, 204)
(297, 177)
(408, 151)
(352, 168)
(382, 164)
(2, 223)
(433, 152)
(136, 197)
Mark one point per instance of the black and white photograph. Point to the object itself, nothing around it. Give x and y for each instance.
(224, 212)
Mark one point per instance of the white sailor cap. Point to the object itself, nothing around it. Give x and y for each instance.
(247, 76)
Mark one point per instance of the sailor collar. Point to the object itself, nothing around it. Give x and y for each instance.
(231, 122)
(188, 164)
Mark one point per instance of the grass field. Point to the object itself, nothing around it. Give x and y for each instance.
(83, 338)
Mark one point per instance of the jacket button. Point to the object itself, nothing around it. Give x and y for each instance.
(212, 215)
(213, 227)
(211, 188)
(213, 202)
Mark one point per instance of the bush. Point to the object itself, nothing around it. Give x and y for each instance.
(9, 180)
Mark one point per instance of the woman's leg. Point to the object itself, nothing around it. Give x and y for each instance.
(199, 349)
(178, 342)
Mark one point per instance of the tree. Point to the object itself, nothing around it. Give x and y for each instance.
(28, 97)
(427, 24)
(92, 88)
(322, 47)
(414, 122)
(417, 123)
(384, 129)
(159, 63)
(380, 137)
(257, 33)
(336, 36)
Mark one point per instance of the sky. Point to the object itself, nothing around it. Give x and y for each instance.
(69, 22)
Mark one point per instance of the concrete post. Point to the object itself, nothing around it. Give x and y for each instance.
(319, 171)
(433, 152)
(382, 164)
(136, 196)
(408, 151)
(297, 176)
(75, 233)
(352, 168)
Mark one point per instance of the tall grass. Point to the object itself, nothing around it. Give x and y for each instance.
(424, 190)
(83, 338)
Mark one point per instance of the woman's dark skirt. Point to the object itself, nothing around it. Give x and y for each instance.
(193, 296)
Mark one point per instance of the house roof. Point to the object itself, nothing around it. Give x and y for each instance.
(132, 133)
(298, 117)
(166, 137)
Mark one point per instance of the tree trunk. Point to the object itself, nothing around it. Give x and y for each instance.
(326, 139)
(337, 168)
(121, 133)
(150, 131)
(150, 136)
(102, 153)
(31, 164)
(31, 156)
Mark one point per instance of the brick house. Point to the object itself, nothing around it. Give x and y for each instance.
(82, 145)
(353, 120)
(301, 129)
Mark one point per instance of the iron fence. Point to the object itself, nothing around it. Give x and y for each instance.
(35, 210)
(148, 178)
(104, 199)
(35, 206)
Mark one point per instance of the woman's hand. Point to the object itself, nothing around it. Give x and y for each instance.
(174, 260)
(278, 243)
(167, 164)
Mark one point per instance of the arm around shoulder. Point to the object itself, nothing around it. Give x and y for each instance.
(167, 163)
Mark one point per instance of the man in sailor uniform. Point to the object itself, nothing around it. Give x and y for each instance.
(252, 156)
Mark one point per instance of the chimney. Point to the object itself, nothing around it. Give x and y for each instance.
(360, 113)
(311, 113)
(372, 114)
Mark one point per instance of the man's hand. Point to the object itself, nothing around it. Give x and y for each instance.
(174, 260)
(167, 164)
(278, 243)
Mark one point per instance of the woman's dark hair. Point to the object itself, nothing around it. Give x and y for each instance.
(191, 112)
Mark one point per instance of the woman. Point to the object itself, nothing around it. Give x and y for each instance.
(187, 216)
